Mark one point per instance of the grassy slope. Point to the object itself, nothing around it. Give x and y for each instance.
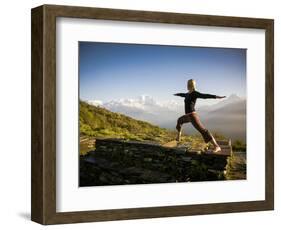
(99, 122)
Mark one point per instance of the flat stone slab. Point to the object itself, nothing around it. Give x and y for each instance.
(226, 148)
(171, 144)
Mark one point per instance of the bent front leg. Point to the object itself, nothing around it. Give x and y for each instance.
(183, 119)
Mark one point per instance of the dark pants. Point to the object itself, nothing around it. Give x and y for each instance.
(195, 121)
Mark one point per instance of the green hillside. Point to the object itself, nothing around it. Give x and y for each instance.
(99, 122)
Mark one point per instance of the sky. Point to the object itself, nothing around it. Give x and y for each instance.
(112, 71)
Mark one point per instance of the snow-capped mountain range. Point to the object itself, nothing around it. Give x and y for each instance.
(227, 116)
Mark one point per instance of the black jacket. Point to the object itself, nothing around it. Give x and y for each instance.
(190, 99)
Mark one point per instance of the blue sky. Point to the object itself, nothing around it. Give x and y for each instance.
(111, 71)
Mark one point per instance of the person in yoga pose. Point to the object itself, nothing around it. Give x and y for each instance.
(191, 115)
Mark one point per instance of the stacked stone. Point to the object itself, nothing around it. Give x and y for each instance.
(118, 161)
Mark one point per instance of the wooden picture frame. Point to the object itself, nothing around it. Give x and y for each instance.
(43, 202)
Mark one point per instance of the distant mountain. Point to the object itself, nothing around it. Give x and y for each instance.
(229, 119)
(233, 98)
(231, 109)
(144, 108)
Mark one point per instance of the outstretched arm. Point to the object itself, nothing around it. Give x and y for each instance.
(206, 96)
(180, 94)
(220, 97)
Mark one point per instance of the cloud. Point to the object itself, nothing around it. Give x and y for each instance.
(143, 103)
(95, 102)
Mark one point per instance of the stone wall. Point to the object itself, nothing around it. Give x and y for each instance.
(117, 161)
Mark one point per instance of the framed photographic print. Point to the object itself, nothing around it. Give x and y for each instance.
(139, 114)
